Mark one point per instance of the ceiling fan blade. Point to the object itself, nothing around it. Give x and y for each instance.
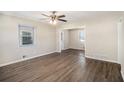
(45, 15)
(60, 16)
(44, 18)
(62, 20)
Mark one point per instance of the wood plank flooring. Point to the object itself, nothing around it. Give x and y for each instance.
(69, 66)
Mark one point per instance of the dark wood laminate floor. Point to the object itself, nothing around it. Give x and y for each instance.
(70, 65)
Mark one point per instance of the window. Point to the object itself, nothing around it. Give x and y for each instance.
(26, 38)
(26, 35)
(81, 36)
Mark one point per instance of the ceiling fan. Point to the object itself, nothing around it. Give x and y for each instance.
(53, 18)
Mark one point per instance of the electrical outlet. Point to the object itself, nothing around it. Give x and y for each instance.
(24, 56)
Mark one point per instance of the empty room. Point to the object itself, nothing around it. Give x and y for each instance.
(61, 46)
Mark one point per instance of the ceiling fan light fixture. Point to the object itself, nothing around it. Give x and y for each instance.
(54, 18)
(54, 22)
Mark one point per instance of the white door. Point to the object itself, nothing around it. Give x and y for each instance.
(62, 40)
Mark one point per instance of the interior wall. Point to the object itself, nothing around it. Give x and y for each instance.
(10, 51)
(74, 41)
(58, 40)
(66, 39)
(121, 45)
(101, 37)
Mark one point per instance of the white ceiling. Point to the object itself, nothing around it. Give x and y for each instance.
(70, 15)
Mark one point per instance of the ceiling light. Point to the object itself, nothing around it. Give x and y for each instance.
(51, 22)
(54, 22)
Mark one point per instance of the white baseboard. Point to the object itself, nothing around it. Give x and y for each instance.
(51, 53)
(112, 61)
(21, 60)
(77, 48)
(65, 48)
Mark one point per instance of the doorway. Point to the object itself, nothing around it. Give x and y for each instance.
(72, 39)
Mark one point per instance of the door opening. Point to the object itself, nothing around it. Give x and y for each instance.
(72, 39)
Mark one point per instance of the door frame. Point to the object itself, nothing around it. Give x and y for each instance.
(59, 31)
(62, 40)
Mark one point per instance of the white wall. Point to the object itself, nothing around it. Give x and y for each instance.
(58, 39)
(66, 39)
(101, 37)
(121, 45)
(45, 39)
(74, 41)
